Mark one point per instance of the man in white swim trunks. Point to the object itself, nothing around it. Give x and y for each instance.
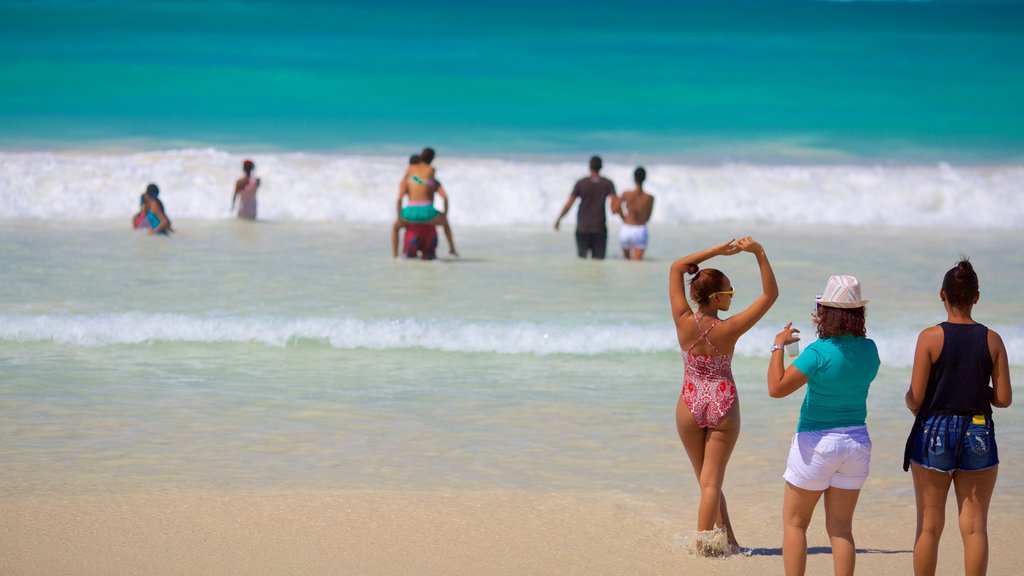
(637, 206)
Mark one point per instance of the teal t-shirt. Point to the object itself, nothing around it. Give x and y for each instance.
(839, 371)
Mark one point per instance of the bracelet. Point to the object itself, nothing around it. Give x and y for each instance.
(776, 347)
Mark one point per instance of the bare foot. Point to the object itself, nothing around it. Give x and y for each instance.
(714, 543)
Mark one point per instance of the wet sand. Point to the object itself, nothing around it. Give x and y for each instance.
(381, 532)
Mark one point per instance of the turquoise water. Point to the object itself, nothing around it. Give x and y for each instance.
(705, 81)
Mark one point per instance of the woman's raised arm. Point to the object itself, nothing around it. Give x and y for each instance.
(689, 265)
(745, 320)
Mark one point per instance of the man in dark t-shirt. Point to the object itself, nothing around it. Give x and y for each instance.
(591, 231)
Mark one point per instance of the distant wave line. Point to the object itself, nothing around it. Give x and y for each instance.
(896, 344)
(196, 184)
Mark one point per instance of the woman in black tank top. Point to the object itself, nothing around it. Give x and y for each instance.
(953, 438)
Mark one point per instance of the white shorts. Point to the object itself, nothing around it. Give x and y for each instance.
(633, 236)
(839, 458)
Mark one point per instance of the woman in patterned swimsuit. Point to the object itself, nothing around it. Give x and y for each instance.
(708, 412)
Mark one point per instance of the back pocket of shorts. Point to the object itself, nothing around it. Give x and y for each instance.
(978, 440)
(826, 446)
(936, 443)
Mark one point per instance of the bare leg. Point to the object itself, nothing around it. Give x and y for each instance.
(930, 490)
(973, 496)
(717, 450)
(448, 236)
(398, 225)
(694, 439)
(442, 220)
(625, 254)
(709, 451)
(638, 254)
(839, 506)
(797, 508)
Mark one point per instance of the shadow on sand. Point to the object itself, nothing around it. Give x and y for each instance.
(820, 550)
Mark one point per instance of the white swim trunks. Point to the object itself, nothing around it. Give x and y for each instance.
(633, 236)
(839, 457)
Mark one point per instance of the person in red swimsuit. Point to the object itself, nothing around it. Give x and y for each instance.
(708, 411)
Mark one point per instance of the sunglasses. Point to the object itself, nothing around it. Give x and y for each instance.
(728, 292)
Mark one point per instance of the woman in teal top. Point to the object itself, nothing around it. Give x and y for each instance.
(831, 452)
(839, 378)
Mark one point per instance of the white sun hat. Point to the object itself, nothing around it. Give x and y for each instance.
(842, 292)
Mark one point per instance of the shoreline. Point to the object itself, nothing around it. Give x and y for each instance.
(389, 532)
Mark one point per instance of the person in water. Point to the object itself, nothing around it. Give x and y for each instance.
(153, 209)
(591, 226)
(245, 192)
(420, 186)
(830, 453)
(636, 207)
(420, 239)
(708, 410)
(953, 440)
(139, 219)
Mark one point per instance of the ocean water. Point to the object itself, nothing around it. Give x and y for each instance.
(298, 355)
(874, 139)
(795, 80)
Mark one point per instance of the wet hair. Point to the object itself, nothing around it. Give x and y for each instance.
(427, 155)
(639, 175)
(415, 159)
(705, 282)
(961, 284)
(153, 190)
(840, 321)
(595, 164)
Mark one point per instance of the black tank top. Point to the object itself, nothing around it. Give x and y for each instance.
(959, 380)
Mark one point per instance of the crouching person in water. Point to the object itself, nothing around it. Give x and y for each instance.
(831, 451)
(708, 410)
(140, 220)
(151, 215)
(420, 186)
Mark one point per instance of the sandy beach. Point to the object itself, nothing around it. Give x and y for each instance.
(382, 532)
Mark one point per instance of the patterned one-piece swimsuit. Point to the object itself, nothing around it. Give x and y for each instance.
(708, 386)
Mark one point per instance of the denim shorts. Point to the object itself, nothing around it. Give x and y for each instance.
(947, 443)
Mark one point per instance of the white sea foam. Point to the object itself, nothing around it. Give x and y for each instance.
(517, 337)
(896, 345)
(197, 184)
